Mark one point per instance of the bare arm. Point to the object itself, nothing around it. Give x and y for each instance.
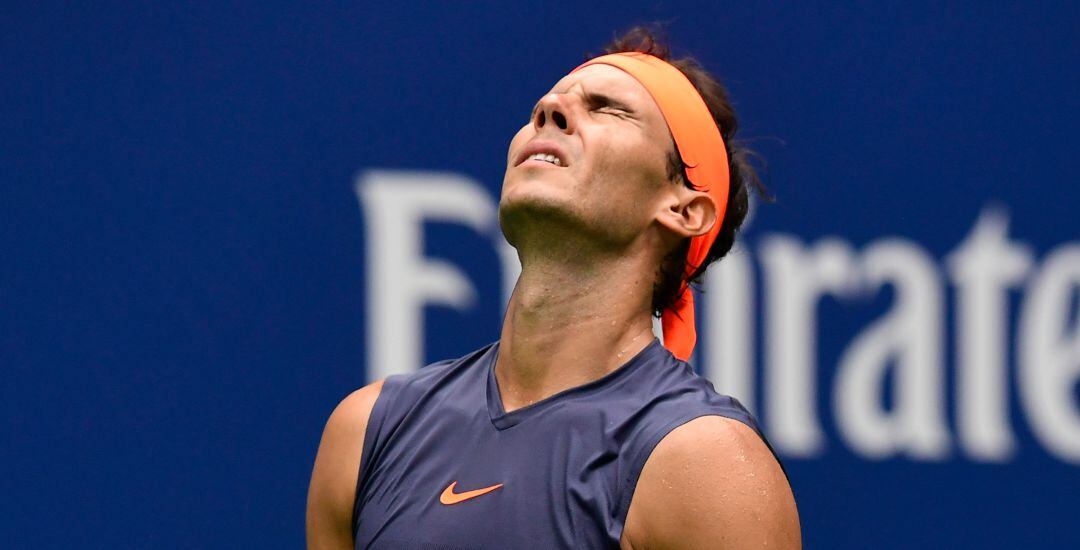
(337, 465)
(712, 483)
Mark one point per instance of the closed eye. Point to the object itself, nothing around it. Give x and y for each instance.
(611, 111)
(606, 104)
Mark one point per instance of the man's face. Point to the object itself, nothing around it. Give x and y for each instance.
(611, 148)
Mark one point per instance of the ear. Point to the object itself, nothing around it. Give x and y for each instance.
(688, 213)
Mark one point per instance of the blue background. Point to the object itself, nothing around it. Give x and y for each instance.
(182, 282)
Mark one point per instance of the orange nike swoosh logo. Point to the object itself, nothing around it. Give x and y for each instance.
(448, 495)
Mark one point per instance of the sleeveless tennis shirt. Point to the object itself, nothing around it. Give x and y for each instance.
(564, 469)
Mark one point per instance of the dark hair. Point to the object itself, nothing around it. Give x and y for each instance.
(670, 284)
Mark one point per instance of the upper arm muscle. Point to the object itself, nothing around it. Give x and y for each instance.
(334, 477)
(712, 483)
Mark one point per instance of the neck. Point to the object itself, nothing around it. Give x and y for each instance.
(567, 325)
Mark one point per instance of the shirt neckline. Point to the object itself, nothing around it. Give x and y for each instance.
(503, 420)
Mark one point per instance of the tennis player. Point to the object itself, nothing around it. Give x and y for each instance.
(578, 428)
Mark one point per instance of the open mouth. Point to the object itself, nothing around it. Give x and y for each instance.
(546, 151)
(545, 157)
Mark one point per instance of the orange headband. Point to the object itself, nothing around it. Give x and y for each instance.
(702, 150)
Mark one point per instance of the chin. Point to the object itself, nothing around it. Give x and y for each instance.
(528, 210)
(540, 191)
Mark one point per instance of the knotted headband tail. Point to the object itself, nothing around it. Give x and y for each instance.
(680, 333)
(702, 150)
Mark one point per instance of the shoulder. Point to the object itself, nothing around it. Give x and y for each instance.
(412, 384)
(674, 383)
(348, 421)
(337, 466)
(712, 483)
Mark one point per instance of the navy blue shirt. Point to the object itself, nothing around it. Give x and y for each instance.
(445, 467)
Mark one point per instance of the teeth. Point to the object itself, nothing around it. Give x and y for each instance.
(546, 158)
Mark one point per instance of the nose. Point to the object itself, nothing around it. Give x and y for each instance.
(553, 110)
